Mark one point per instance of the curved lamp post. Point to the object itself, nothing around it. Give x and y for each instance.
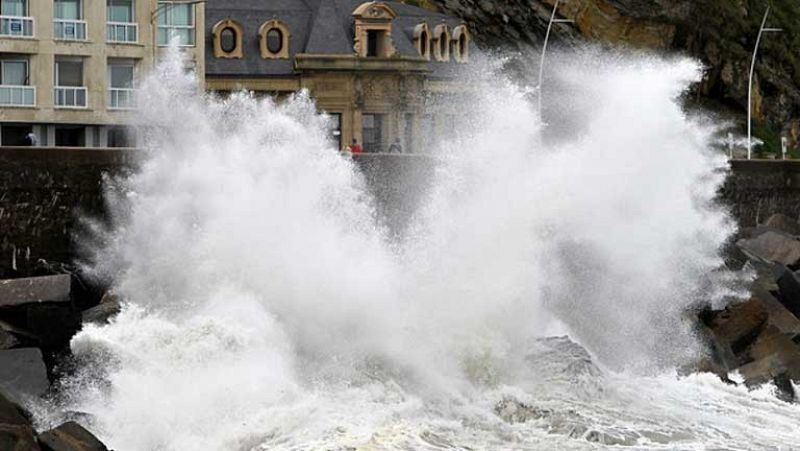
(761, 31)
(544, 50)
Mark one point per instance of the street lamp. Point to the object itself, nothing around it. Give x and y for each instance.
(544, 49)
(761, 31)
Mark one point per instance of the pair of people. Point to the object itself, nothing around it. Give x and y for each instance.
(355, 147)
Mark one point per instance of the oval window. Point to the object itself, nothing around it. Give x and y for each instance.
(227, 40)
(274, 40)
(424, 45)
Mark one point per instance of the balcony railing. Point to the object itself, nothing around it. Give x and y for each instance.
(121, 98)
(70, 96)
(122, 32)
(69, 30)
(16, 26)
(17, 95)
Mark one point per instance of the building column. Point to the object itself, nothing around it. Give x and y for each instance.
(41, 134)
(51, 135)
(103, 137)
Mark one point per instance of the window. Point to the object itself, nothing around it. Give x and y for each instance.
(422, 40)
(336, 128)
(120, 11)
(69, 89)
(120, 137)
(14, 20)
(16, 135)
(460, 48)
(441, 49)
(175, 22)
(121, 93)
(13, 72)
(67, 22)
(227, 39)
(372, 132)
(121, 23)
(274, 40)
(14, 83)
(16, 8)
(70, 136)
(373, 28)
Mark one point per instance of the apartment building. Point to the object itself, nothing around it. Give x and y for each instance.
(69, 69)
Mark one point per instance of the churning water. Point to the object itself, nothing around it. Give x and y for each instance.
(269, 307)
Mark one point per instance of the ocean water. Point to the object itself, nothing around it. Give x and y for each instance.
(270, 307)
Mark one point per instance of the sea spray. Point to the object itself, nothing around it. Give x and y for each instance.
(267, 307)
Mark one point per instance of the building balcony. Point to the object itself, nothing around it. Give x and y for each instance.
(69, 30)
(24, 96)
(122, 32)
(121, 99)
(16, 27)
(70, 96)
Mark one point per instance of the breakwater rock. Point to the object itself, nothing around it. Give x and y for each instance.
(760, 337)
(38, 318)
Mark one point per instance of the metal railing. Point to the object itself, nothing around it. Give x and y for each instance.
(121, 98)
(16, 26)
(17, 95)
(123, 32)
(70, 96)
(183, 34)
(69, 30)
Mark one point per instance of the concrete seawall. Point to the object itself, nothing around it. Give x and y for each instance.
(43, 192)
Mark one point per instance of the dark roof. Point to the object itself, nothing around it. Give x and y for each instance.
(315, 26)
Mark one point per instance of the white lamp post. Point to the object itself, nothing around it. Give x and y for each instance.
(544, 50)
(761, 31)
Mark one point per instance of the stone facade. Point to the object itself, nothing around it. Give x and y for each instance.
(84, 113)
(369, 64)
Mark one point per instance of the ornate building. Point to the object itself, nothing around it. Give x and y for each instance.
(373, 66)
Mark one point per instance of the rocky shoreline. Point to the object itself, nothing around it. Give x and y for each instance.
(757, 337)
(38, 317)
(760, 337)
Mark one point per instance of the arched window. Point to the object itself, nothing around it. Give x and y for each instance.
(227, 37)
(274, 40)
(441, 43)
(461, 40)
(422, 40)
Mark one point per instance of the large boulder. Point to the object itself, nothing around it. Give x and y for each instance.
(7, 340)
(23, 373)
(14, 292)
(772, 355)
(70, 436)
(783, 223)
(16, 432)
(109, 307)
(789, 285)
(772, 246)
(738, 326)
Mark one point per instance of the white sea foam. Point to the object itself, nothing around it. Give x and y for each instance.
(267, 309)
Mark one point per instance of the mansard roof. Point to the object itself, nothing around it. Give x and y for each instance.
(321, 27)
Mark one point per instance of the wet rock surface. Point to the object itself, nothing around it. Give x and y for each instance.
(38, 318)
(70, 436)
(760, 337)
